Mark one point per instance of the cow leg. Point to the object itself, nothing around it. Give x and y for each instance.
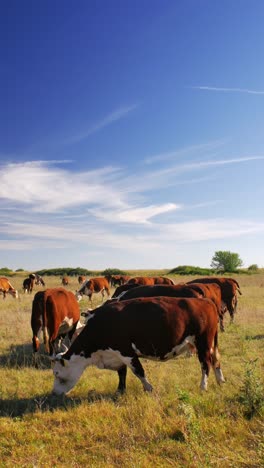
(216, 364)
(137, 369)
(122, 372)
(205, 358)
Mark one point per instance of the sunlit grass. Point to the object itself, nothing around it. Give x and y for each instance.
(176, 425)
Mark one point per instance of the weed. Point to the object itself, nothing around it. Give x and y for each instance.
(251, 394)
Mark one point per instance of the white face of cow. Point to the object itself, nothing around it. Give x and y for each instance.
(67, 372)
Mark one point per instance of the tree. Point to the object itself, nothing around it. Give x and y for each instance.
(224, 260)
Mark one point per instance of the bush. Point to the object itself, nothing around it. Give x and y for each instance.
(253, 267)
(113, 271)
(191, 270)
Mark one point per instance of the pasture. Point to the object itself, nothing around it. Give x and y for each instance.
(175, 426)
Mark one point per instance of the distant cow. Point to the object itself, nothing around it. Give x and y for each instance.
(28, 284)
(7, 288)
(81, 279)
(158, 328)
(118, 280)
(149, 280)
(65, 281)
(39, 280)
(57, 313)
(229, 288)
(94, 285)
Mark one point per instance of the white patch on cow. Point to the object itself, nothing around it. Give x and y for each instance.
(65, 326)
(67, 372)
(109, 359)
(204, 381)
(78, 297)
(120, 295)
(185, 347)
(219, 375)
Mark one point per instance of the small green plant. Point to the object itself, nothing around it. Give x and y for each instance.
(251, 394)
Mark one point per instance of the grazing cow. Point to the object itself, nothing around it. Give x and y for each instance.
(39, 280)
(162, 290)
(118, 280)
(81, 279)
(149, 280)
(57, 313)
(158, 328)
(229, 288)
(65, 281)
(7, 288)
(28, 284)
(94, 285)
(125, 287)
(213, 291)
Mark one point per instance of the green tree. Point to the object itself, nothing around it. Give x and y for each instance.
(224, 260)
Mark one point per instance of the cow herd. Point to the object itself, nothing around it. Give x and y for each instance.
(146, 317)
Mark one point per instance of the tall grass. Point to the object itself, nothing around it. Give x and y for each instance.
(176, 425)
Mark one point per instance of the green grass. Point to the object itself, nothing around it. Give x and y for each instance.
(176, 425)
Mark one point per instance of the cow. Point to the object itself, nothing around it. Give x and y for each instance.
(118, 280)
(81, 279)
(7, 288)
(213, 291)
(94, 285)
(65, 281)
(162, 290)
(124, 287)
(118, 334)
(57, 313)
(149, 280)
(229, 288)
(39, 280)
(28, 284)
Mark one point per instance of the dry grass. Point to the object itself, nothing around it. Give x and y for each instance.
(174, 426)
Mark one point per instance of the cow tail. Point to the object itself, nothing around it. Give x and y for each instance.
(45, 327)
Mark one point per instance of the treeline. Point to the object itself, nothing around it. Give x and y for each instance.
(191, 270)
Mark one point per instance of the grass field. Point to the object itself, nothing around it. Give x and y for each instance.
(176, 425)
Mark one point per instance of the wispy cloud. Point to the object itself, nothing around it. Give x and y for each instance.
(136, 215)
(186, 151)
(228, 90)
(108, 120)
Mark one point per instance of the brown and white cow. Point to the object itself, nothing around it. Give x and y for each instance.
(81, 279)
(94, 285)
(39, 280)
(65, 281)
(159, 328)
(229, 288)
(7, 288)
(149, 280)
(56, 312)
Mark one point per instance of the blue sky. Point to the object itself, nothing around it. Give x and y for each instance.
(131, 132)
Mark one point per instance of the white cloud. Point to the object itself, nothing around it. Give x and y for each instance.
(108, 120)
(228, 90)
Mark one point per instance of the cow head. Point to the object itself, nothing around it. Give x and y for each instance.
(67, 372)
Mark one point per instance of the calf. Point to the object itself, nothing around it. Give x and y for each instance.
(159, 328)
(57, 313)
(94, 285)
(7, 288)
(65, 281)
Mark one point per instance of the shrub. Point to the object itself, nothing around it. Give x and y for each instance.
(251, 394)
